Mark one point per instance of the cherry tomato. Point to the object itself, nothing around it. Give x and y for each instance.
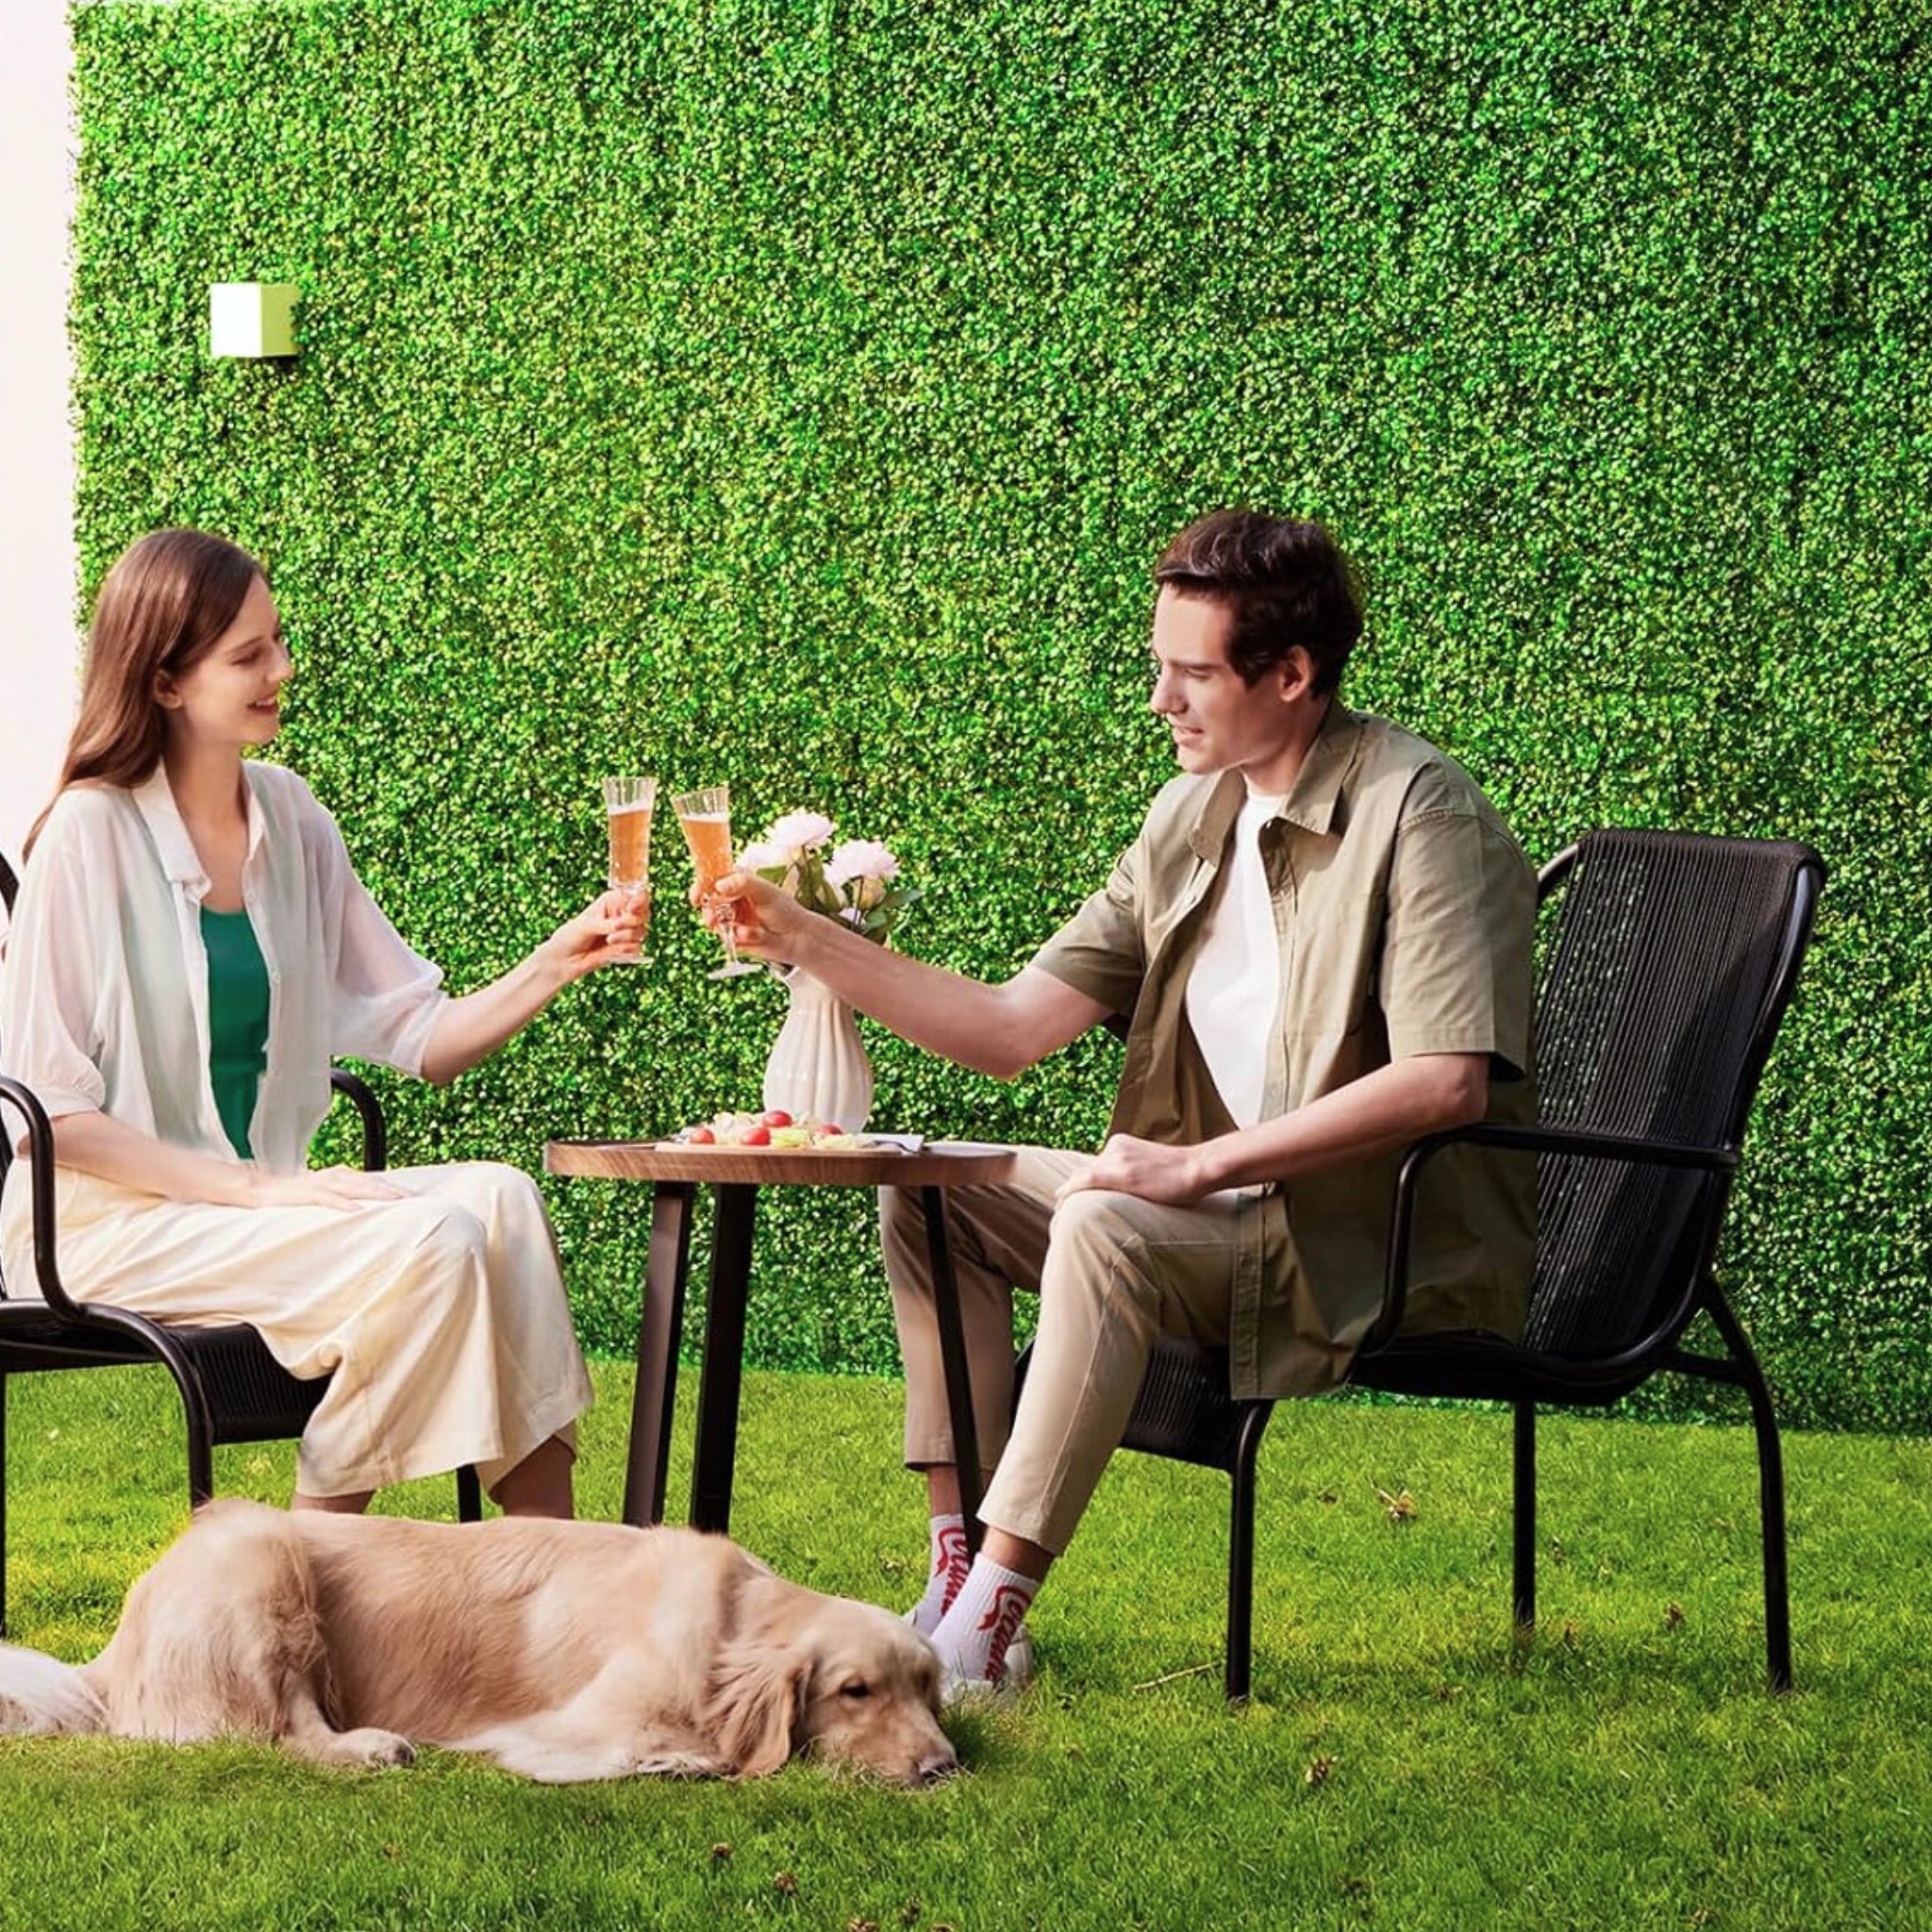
(701, 1137)
(775, 1117)
(757, 1136)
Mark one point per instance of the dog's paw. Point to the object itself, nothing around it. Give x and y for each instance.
(679, 1764)
(378, 1750)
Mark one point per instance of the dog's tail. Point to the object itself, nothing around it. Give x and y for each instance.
(40, 1696)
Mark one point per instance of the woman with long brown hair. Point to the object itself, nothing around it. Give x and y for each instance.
(191, 948)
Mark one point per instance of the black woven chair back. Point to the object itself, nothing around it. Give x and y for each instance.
(1671, 962)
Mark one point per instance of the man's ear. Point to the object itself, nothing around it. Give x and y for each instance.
(1295, 673)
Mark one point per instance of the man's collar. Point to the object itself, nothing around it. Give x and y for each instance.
(1331, 758)
(1208, 835)
(1311, 804)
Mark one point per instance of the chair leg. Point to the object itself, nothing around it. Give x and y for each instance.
(1525, 1518)
(1240, 1553)
(1771, 1493)
(469, 1495)
(195, 1415)
(201, 1466)
(1770, 1503)
(1241, 1581)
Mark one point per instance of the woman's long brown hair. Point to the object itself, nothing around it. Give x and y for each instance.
(161, 609)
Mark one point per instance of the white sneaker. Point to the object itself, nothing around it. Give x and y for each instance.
(1016, 1673)
(1018, 1670)
(1018, 1667)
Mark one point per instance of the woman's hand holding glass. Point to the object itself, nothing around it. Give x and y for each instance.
(607, 932)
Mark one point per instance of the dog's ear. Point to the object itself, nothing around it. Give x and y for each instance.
(757, 1704)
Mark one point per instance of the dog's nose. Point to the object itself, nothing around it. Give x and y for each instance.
(936, 1765)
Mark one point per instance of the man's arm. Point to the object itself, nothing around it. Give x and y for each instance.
(1000, 1031)
(1384, 1110)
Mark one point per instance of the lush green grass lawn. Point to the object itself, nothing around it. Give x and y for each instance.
(1404, 1763)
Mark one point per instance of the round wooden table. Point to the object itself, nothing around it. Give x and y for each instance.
(735, 1176)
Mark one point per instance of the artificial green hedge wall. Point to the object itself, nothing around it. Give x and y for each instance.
(796, 395)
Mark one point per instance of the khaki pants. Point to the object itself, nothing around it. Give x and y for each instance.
(443, 1316)
(1113, 1273)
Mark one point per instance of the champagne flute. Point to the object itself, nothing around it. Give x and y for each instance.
(628, 807)
(705, 819)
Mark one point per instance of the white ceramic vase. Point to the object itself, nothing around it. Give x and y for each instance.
(818, 1064)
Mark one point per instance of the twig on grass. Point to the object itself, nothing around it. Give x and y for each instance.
(1174, 1676)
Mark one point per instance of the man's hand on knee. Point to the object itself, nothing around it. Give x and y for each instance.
(1128, 1165)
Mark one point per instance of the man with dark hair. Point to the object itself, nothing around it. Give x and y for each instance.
(1283, 583)
(1320, 942)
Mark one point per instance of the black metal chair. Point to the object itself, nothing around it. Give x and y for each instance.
(232, 1388)
(1673, 961)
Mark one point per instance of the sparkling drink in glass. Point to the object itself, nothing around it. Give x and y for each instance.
(704, 817)
(628, 807)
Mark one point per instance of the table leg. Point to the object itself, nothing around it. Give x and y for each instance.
(660, 1324)
(718, 1385)
(945, 1295)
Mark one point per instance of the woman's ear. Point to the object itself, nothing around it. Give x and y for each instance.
(756, 1706)
(166, 694)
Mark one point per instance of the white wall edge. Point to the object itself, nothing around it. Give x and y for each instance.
(40, 650)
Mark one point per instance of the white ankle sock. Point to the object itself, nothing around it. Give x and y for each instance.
(973, 1636)
(951, 1559)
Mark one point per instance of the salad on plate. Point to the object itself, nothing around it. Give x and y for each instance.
(780, 1131)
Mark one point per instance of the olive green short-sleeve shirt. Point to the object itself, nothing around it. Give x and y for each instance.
(1404, 913)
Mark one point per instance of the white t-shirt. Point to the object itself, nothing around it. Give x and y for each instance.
(103, 992)
(1235, 984)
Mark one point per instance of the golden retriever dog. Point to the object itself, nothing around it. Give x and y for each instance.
(564, 1651)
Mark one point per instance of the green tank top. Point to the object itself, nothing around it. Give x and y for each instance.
(237, 1019)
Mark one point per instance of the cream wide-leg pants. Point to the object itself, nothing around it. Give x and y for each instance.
(1114, 1273)
(443, 1316)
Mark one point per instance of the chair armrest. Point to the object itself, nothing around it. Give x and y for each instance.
(39, 1142)
(1630, 1148)
(361, 1097)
